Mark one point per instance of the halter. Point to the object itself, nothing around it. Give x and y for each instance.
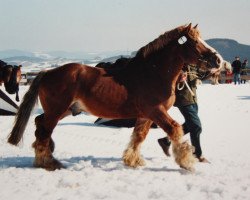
(183, 39)
(202, 59)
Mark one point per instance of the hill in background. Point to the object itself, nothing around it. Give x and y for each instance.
(230, 48)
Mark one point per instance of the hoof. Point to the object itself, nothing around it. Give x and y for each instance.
(134, 163)
(131, 158)
(183, 153)
(190, 169)
(50, 164)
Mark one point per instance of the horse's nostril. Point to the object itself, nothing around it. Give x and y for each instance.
(218, 61)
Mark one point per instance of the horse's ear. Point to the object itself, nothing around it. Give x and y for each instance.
(195, 26)
(188, 27)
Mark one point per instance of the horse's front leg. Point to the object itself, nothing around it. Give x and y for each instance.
(182, 151)
(131, 156)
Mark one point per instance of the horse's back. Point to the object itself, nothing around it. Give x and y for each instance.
(68, 74)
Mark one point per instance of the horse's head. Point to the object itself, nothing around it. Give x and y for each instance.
(196, 50)
(11, 76)
(226, 66)
(12, 72)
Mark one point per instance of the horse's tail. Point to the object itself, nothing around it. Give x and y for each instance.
(24, 111)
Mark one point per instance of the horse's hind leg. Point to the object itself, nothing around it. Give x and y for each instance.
(131, 156)
(44, 145)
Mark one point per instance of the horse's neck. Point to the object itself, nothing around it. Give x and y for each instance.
(169, 69)
(169, 66)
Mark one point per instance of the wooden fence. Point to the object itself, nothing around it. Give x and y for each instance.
(28, 77)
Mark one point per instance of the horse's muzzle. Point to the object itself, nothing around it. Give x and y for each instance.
(214, 60)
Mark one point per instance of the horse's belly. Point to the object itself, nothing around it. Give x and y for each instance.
(105, 98)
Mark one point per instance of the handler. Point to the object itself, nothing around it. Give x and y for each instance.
(186, 102)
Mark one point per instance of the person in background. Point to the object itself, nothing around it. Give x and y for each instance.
(236, 64)
(243, 71)
(186, 102)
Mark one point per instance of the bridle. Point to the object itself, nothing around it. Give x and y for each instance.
(182, 40)
(202, 59)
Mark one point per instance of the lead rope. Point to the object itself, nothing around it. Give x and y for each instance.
(189, 88)
(185, 83)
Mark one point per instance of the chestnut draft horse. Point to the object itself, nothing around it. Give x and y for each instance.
(144, 88)
(10, 76)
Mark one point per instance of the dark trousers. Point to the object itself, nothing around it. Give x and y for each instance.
(192, 125)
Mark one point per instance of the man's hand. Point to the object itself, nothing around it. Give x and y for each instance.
(183, 77)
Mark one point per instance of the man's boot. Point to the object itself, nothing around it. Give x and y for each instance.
(165, 144)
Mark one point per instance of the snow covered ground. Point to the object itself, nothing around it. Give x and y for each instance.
(94, 168)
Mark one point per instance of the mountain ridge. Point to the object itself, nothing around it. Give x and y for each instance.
(228, 48)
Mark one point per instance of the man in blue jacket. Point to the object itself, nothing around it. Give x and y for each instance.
(236, 64)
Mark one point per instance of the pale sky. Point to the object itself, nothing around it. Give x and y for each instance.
(108, 25)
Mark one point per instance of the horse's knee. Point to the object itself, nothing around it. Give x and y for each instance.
(176, 132)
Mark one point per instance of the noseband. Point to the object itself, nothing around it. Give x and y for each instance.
(203, 60)
(182, 40)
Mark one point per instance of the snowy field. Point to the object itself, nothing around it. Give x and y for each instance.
(94, 168)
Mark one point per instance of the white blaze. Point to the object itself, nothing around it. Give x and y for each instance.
(213, 50)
